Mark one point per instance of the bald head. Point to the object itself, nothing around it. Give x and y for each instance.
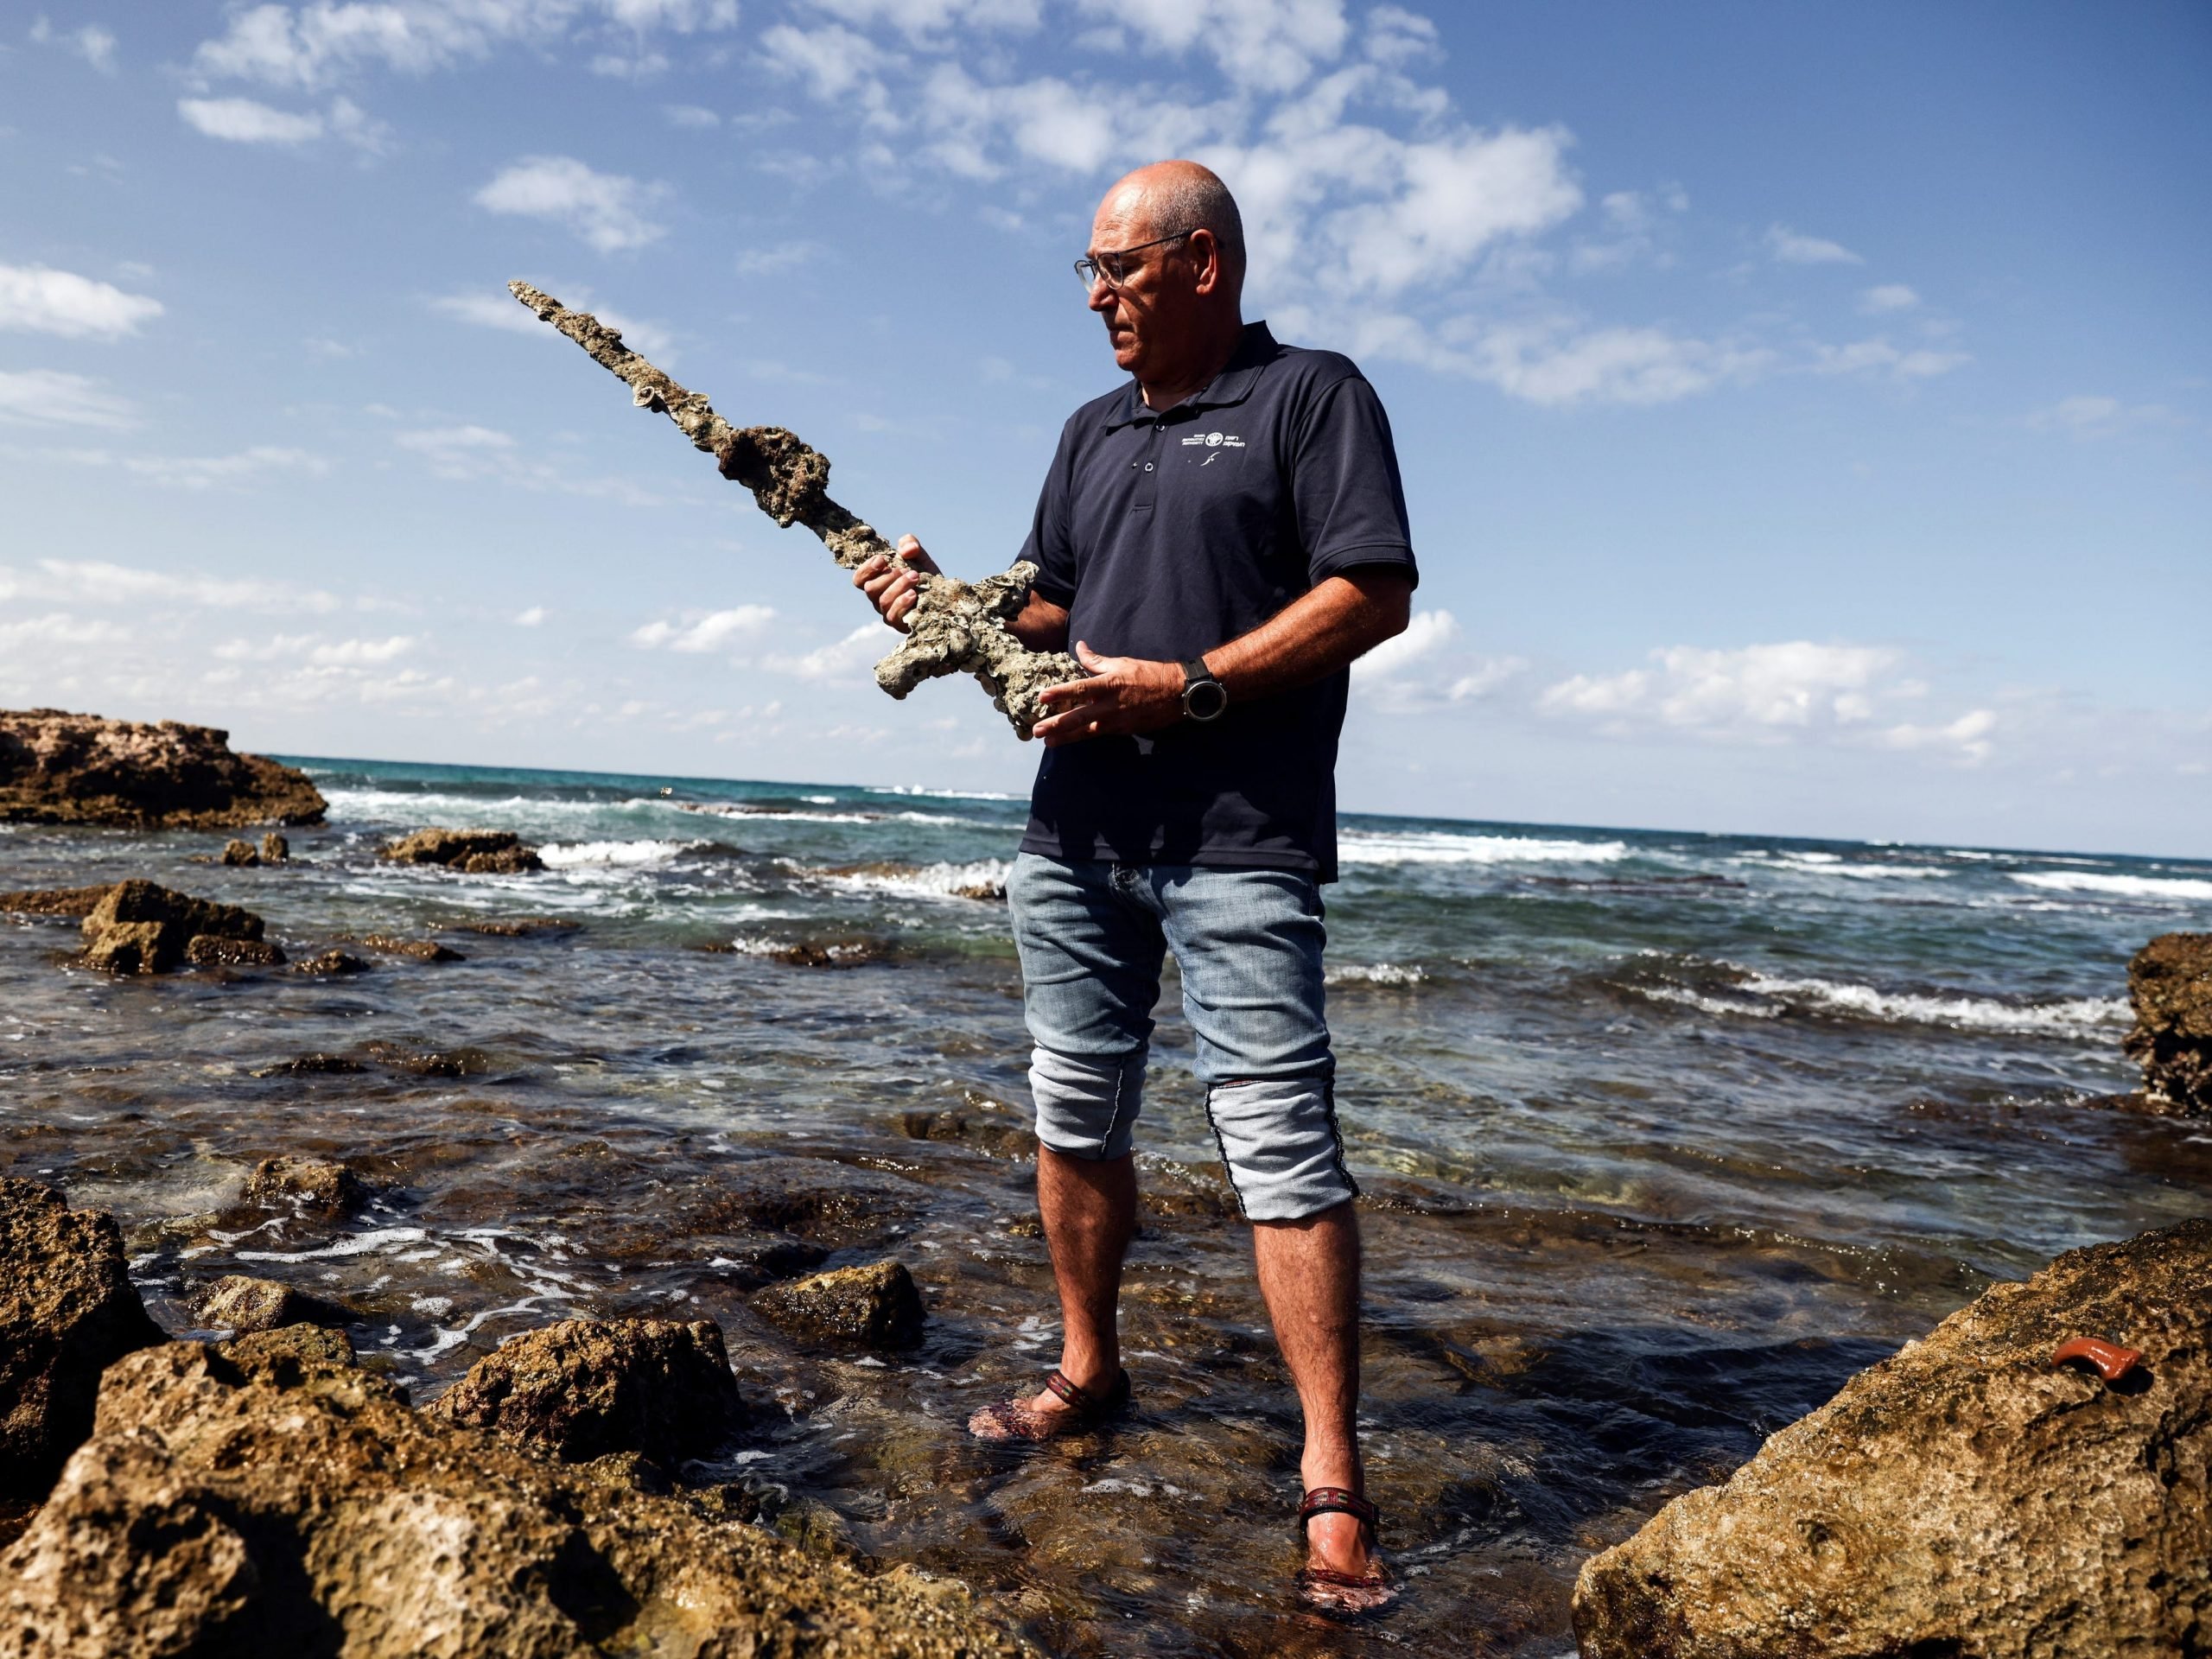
(1167, 198)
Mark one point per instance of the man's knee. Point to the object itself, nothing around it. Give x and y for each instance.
(1087, 1108)
(1279, 1140)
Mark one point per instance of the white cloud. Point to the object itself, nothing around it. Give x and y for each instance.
(2098, 416)
(1757, 691)
(531, 618)
(692, 117)
(1879, 356)
(1271, 47)
(93, 43)
(1792, 248)
(784, 256)
(1560, 363)
(499, 310)
(1486, 677)
(469, 452)
(704, 633)
(921, 19)
(314, 648)
(48, 302)
(605, 209)
(312, 45)
(1889, 296)
(244, 121)
(95, 581)
(60, 629)
(1969, 735)
(841, 659)
(49, 397)
(1425, 633)
(195, 472)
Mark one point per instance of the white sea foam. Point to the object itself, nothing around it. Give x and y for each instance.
(929, 880)
(1377, 973)
(943, 794)
(1688, 998)
(621, 854)
(2124, 886)
(1437, 847)
(2079, 1016)
(358, 1244)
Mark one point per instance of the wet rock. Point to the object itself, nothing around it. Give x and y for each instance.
(463, 1062)
(475, 852)
(1961, 1496)
(65, 768)
(994, 1132)
(54, 901)
(2170, 983)
(875, 1307)
(206, 951)
(244, 1500)
(240, 852)
(587, 1388)
(275, 849)
(315, 1064)
(849, 953)
(330, 964)
(421, 950)
(139, 927)
(311, 1183)
(235, 1302)
(68, 1310)
(814, 1199)
(517, 927)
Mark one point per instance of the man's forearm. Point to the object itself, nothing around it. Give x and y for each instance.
(1042, 626)
(1314, 635)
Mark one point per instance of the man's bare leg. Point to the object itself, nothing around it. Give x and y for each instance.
(1309, 1273)
(1089, 1209)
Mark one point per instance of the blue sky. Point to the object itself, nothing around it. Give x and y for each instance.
(1806, 413)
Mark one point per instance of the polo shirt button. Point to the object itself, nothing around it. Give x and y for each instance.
(1148, 465)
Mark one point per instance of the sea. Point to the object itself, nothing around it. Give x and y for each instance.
(1660, 1137)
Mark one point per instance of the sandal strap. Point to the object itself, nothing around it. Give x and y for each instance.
(1339, 1500)
(1084, 1401)
(1076, 1396)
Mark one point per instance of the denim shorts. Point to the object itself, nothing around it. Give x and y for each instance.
(1093, 937)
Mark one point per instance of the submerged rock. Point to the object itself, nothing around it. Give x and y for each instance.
(330, 964)
(68, 1310)
(476, 852)
(206, 951)
(876, 1305)
(421, 950)
(265, 1498)
(317, 1184)
(2170, 983)
(240, 852)
(139, 927)
(235, 1302)
(588, 1389)
(516, 927)
(64, 768)
(54, 901)
(1962, 1497)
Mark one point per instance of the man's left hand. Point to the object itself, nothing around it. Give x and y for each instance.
(1124, 694)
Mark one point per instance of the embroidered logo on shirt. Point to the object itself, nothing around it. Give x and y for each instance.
(1214, 440)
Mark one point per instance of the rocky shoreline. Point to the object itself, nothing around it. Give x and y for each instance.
(57, 768)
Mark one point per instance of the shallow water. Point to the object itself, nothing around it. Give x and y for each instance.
(1662, 1137)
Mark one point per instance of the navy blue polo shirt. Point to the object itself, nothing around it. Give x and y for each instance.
(1167, 534)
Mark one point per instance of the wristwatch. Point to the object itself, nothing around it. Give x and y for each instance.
(1204, 696)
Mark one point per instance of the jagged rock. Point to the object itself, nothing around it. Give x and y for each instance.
(314, 1183)
(476, 852)
(2170, 983)
(330, 964)
(206, 951)
(585, 1388)
(275, 849)
(314, 1065)
(65, 768)
(1962, 1498)
(462, 1062)
(263, 1498)
(68, 1310)
(140, 928)
(518, 927)
(421, 950)
(54, 901)
(876, 1305)
(235, 1302)
(240, 852)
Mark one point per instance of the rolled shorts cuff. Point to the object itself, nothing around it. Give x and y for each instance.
(1086, 1108)
(1281, 1143)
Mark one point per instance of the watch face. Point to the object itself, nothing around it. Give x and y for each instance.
(1205, 700)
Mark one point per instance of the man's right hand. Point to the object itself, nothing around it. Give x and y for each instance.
(890, 583)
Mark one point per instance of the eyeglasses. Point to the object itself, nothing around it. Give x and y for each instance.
(1115, 267)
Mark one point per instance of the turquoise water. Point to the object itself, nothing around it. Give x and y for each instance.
(1661, 1136)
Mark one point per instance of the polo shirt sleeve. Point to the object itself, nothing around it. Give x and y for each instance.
(1344, 483)
(1049, 546)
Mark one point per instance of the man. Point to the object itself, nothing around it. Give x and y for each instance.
(1220, 537)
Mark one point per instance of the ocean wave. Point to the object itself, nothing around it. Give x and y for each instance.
(1438, 847)
(617, 854)
(1803, 863)
(2078, 1016)
(1377, 973)
(2121, 886)
(943, 794)
(983, 879)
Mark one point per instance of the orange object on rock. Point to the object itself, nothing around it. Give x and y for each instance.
(2112, 1362)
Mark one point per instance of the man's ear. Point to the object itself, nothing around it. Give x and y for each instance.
(1207, 256)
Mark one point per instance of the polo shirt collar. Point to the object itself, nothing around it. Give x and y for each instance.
(1233, 384)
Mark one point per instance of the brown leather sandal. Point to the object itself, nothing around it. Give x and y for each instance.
(1344, 1595)
(1011, 1419)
